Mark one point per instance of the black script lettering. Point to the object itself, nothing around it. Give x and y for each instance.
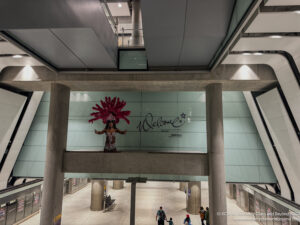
(149, 122)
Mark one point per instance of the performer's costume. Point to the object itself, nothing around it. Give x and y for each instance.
(111, 111)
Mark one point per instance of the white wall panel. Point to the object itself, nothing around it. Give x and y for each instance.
(284, 136)
(20, 138)
(11, 105)
(283, 73)
(285, 192)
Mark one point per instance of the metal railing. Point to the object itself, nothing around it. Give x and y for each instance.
(125, 38)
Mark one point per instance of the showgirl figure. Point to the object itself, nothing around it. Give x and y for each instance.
(110, 113)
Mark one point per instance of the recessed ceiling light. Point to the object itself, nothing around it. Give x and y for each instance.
(17, 56)
(257, 53)
(298, 12)
(275, 36)
(119, 5)
(246, 53)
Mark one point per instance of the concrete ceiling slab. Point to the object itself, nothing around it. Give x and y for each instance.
(206, 26)
(43, 17)
(84, 43)
(274, 22)
(46, 44)
(184, 33)
(163, 33)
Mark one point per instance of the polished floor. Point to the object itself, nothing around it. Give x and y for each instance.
(150, 196)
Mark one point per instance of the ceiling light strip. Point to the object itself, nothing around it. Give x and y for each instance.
(270, 35)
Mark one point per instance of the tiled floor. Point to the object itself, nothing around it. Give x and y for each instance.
(149, 197)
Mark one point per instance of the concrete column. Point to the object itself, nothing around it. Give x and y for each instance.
(215, 149)
(97, 195)
(56, 145)
(132, 203)
(136, 23)
(118, 184)
(182, 186)
(193, 202)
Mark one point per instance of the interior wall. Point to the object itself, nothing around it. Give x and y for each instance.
(284, 136)
(11, 105)
(285, 191)
(245, 156)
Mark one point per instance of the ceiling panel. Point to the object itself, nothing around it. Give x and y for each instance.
(48, 47)
(282, 2)
(85, 44)
(275, 22)
(184, 33)
(163, 33)
(206, 26)
(32, 23)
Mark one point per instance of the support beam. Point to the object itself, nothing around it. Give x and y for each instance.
(190, 164)
(232, 77)
(56, 145)
(118, 184)
(132, 203)
(136, 23)
(182, 186)
(97, 195)
(215, 149)
(193, 201)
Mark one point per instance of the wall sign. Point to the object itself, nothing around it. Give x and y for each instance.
(150, 122)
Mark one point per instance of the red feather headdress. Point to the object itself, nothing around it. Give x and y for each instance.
(111, 110)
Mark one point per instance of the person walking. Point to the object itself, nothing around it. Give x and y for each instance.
(207, 216)
(161, 216)
(187, 220)
(202, 215)
(170, 221)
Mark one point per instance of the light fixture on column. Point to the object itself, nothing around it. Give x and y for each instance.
(120, 5)
(17, 56)
(275, 36)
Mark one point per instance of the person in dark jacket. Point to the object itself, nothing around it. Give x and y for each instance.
(207, 216)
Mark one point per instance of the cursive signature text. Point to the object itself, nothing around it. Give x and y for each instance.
(150, 122)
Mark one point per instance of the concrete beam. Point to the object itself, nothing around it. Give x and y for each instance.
(189, 164)
(232, 77)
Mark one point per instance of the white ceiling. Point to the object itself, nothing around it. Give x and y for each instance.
(119, 11)
(286, 43)
(8, 48)
(184, 33)
(267, 22)
(282, 2)
(253, 59)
